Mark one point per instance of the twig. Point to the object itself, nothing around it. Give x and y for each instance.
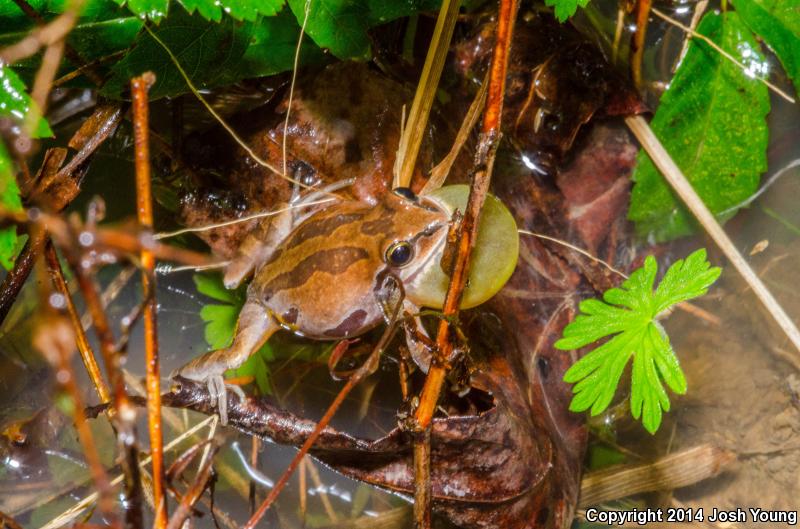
(70, 514)
(306, 12)
(467, 234)
(144, 202)
(84, 348)
(722, 52)
(7, 522)
(637, 42)
(442, 170)
(684, 190)
(191, 496)
(165, 235)
(14, 280)
(61, 359)
(414, 128)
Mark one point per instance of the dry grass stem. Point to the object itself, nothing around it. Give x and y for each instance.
(676, 179)
(670, 472)
(414, 129)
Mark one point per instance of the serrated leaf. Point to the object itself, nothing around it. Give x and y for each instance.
(239, 9)
(220, 324)
(565, 8)
(778, 23)
(629, 316)
(154, 10)
(205, 52)
(272, 48)
(712, 121)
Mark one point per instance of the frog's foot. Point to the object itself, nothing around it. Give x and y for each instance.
(218, 390)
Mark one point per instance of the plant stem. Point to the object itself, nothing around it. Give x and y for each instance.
(144, 205)
(676, 179)
(467, 234)
(415, 126)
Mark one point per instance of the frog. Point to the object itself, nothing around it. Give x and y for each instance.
(324, 276)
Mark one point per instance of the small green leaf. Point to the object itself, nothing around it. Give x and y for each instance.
(211, 285)
(629, 316)
(565, 8)
(272, 47)
(778, 23)
(239, 9)
(712, 121)
(341, 25)
(220, 324)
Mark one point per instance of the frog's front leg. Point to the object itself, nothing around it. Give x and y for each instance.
(254, 327)
(420, 345)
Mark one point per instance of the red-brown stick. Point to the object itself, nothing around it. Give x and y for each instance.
(637, 44)
(144, 206)
(490, 136)
(69, 382)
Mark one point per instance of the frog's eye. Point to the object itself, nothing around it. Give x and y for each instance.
(399, 254)
(405, 192)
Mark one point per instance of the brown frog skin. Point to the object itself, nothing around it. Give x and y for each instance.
(323, 277)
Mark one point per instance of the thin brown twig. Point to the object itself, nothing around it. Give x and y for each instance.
(93, 135)
(104, 238)
(7, 522)
(144, 202)
(637, 42)
(48, 340)
(467, 234)
(84, 348)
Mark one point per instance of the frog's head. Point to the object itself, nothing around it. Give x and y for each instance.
(415, 231)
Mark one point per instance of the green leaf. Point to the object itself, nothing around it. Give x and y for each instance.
(9, 198)
(103, 28)
(238, 9)
(154, 10)
(272, 48)
(17, 105)
(712, 121)
(778, 23)
(341, 25)
(211, 285)
(629, 316)
(565, 8)
(220, 324)
(205, 51)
